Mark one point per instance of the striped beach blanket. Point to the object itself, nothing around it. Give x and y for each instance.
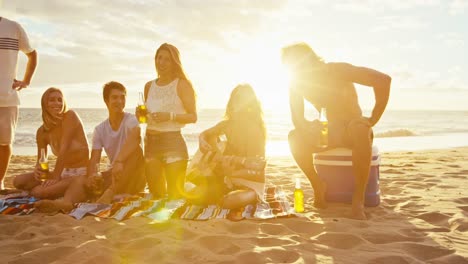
(275, 204)
(17, 204)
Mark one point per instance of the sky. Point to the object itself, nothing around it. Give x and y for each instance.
(421, 44)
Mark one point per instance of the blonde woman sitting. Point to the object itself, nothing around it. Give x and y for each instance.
(63, 131)
(238, 169)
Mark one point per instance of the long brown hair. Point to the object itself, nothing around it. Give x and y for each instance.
(50, 121)
(175, 56)
(245, 118)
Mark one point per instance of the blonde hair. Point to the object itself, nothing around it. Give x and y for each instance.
(50, 121)
(175, 56)
(250, 114)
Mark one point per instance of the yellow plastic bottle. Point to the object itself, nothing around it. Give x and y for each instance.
(324, 132)
(298, 197)
(44, 163)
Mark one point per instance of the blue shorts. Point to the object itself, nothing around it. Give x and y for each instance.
(168, 147)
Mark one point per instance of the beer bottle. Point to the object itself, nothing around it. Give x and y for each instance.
(142, 110)
(298, 197)
(98, 187)
(324, 132)
(44, 163)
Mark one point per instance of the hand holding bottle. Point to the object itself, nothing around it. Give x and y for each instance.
(97, 182)
(141, 111)
(324, 130)
(41, 171)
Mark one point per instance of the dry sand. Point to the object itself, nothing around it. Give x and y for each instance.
(423, 218)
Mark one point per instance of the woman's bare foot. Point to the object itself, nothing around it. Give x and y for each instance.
(53, 206)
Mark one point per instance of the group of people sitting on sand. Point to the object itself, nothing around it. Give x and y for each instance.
(170, 102)
(229, 173)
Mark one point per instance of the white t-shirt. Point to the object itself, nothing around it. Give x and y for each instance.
(13, 38)
(112, 141)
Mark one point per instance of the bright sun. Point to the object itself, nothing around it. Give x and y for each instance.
(260, 65)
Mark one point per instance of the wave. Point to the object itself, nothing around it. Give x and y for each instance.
(396, 133)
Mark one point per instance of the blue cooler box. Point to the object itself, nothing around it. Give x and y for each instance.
(335, 168)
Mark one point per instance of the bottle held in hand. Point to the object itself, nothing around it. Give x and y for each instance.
(298, 197)
(142, 110)
(44, 163)
(324, 132)
(98, 183)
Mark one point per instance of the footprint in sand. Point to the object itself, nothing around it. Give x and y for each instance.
(420, 162)
(425, 252)
(392, 201)
(445, 187)
(140, 242)
(273, 229)
(218, 245)
(273, 242)
(457, 176)
(463, 200)
(432, 181)
(392, 171)
(274, 255)
(244, 228)
(417, 186)
(301, 226)
(435, 218)
(45, 255)
(393, 259)
(26, 236)
(410, 232)
(339, 240)
(459, 222)
(387, 238)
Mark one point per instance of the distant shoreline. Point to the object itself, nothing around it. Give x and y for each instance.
(393, 144)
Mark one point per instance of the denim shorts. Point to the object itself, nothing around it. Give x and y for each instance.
(168, 147)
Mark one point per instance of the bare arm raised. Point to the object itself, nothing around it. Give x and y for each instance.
(379, 81)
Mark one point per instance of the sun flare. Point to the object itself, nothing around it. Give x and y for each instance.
(260, 65)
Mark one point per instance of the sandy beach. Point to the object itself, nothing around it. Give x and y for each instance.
(423, 218)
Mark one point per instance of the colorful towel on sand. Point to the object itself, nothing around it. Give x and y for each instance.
(17, 204)
(275, 204)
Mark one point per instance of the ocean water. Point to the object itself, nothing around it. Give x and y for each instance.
(396, 131)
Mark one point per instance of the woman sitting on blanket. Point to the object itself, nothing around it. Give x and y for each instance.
(238, 171)
(63, 131)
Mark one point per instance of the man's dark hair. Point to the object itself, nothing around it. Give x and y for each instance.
(108, 87)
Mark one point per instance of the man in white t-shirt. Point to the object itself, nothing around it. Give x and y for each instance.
(13, 39)
(119, 136)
